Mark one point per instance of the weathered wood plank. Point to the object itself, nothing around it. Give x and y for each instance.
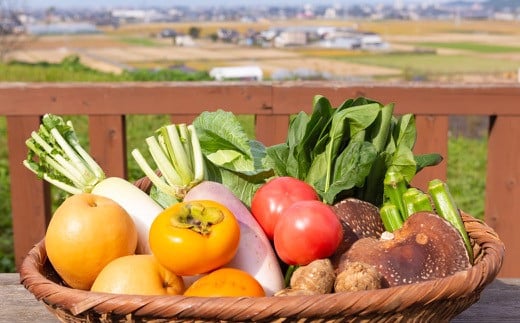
(291, 97)
(271, 129)
(183, 118)
(144, 98)
(29, 195)
(17, 304)
(499, 302)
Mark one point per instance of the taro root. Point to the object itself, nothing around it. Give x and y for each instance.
(358, 276)
(359, 219)
(426, 247)
(318, 276)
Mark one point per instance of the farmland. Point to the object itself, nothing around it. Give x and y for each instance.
(469, 51)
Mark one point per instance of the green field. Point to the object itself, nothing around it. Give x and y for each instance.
(434, 65)
(72, 70)
(141, 41)
(473, 47)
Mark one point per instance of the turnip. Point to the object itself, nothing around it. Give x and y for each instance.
(255, 254)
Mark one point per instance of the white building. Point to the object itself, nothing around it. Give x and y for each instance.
(372, 41)
(137, 15)
(291, 37)
(241, 73)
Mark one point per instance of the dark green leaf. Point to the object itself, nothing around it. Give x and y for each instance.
(317, 173)
(277, 158)
(297, 159)
(221, 130)
(382, 128)
(351, 168)
(403, 162)
(297, 128)
(405, 132)
(426, 160)
(242, 186)
(316, 127)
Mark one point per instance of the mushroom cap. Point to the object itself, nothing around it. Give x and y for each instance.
(359, 219)
(426, 247)
(361, 216)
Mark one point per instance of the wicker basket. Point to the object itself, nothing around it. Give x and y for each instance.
(436, 300)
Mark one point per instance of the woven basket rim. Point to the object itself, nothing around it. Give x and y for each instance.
(461, 289)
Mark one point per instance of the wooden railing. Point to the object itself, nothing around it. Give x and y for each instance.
(106, 106)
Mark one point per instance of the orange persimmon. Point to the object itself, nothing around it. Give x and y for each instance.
(226, 282)
(195, 237)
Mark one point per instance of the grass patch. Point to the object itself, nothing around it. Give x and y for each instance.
(468, 189)
(72, 70)
(69, 69)
(140, 41)
(430, 64)
(474, 47)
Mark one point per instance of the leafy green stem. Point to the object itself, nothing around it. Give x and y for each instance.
(177, 154)
(60, 159)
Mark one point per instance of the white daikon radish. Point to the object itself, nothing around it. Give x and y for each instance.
(255, 254)
(139, 205)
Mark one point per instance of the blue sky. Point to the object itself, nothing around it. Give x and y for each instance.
(140, 3)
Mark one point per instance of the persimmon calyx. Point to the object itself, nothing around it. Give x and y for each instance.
(197, 217)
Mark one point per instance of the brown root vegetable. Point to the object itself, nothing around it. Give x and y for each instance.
(318, 276)
(359, 219)
(426, 247)
(358, 276)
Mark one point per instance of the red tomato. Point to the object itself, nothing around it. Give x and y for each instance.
(308, 230)
(272, 198)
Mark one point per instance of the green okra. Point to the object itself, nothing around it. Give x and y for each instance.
(394, 188)
(415, 201)
(408, 202)
(391, 217)
(447, 208)
(422, 202)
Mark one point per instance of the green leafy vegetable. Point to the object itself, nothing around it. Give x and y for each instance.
(346, 151)
(61, 160)
(232, 158)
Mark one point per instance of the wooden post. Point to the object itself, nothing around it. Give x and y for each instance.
(29, 195)
(503, 189)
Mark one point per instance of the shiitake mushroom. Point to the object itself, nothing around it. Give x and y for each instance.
(426, 247)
